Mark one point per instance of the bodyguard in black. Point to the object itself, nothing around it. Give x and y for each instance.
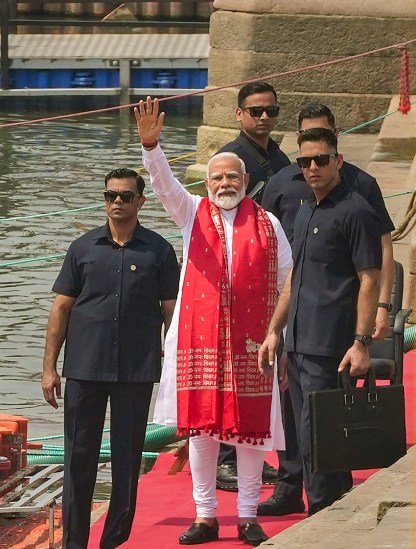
(334, 239)
(283, 196)
(116, 289)
(284, 199)
(333, 293)
(257, 114)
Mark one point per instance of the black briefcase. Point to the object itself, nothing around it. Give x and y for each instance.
(357, 428)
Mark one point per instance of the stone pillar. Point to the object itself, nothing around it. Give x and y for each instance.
(254, 38)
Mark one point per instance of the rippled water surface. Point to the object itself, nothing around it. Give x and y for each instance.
(59, 166)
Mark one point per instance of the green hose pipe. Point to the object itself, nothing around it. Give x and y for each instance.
(38, 459)
(410, 338)
(59, 451)
(157, 436)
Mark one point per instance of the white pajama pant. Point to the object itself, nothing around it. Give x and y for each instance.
(203, 456)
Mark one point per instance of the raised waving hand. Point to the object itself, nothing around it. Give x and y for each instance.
(149, 121)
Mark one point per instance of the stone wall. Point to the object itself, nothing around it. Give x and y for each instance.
(256, 38)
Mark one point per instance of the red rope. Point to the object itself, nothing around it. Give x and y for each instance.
(217, 88)
(404, 103)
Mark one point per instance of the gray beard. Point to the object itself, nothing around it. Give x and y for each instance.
(227, 202)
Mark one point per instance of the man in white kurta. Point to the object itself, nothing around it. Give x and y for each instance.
(226, 183)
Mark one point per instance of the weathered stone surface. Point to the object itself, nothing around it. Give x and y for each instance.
(349, 109)
(353, 519)
(382, 75)
(410, 297)
(210, 139)
(331, 36)
(405, 8)
(195, 172)
(412, 258)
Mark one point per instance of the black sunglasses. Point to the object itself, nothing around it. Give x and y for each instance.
(126, 196)
(256, 112)
(321, 160)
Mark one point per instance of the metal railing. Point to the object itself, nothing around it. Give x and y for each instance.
(7, 22)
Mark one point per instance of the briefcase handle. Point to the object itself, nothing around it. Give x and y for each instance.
(369, 384)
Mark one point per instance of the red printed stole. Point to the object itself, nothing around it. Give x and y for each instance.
(221, 326)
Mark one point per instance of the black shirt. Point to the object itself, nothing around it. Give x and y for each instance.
(114, 331)
(332, 242)
(273, 154)
(286, 191)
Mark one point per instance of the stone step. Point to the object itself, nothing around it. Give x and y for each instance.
(397, 137)
(393, 163)
(359, 515)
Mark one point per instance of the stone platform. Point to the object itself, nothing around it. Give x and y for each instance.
(380, 513)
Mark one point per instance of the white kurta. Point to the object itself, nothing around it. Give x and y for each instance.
(182, 207)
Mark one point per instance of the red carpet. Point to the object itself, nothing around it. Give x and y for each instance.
(165, 506)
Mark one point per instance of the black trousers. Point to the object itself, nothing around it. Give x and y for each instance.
(289, 484)
(307, 373)
(85, 406)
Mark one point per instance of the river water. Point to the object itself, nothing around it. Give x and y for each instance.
(60, 166)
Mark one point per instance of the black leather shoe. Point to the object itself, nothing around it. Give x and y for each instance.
(199, 533)
(269, 474)
(227, 477)
(251, 533)
(277, 505)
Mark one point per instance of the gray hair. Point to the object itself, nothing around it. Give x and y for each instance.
(226, 155)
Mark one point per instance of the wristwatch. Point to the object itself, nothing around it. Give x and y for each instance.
(365, 339)
(388, 306)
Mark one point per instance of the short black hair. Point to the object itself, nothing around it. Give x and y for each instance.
(319, 134)
(126, 173)
(252, 88)
(316, 110)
